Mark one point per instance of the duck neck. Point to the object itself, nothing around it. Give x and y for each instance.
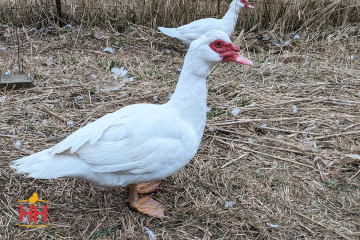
(189, 98)
(231, 16)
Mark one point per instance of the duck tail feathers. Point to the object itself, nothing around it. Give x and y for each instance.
(43, 165)
(172, 32)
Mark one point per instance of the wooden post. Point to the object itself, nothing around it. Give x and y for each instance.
(58, 9)
(219, 1)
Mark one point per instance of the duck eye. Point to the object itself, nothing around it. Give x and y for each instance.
(217, 44)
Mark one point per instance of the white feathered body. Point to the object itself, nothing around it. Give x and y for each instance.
(191, 31)
(136, 144)
(139, 143)
(119, 149)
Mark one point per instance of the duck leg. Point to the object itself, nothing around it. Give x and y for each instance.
(148, 187)
(145, 205)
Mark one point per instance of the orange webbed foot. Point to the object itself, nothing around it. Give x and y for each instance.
(147, 205)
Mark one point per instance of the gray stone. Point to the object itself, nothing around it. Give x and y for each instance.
(19, 80)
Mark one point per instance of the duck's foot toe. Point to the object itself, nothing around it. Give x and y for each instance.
(150, 207)
(148, 187)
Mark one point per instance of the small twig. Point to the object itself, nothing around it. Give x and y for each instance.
(52, 113)
(191, 197)
(18, 50)
(108, 20)
(290, 131)
(287, 109)
(25, 32)
(90, 98)
(355, 175)
(337, 135)
(3, 135)
(344, 101)
(305, 227)
(101, 221)
(255, 144)
(329, 83)
(8, 53)
(351, 126)
(255, 120)
(318, 101)
(44, 88)
(64, 103)
(44, 48)
(82, 19)
(264, 154)
(341, 103)
(288, 102)
(242, 156)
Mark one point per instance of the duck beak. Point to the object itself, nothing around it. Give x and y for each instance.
(242, 60)
(231, 54)
(235, 57)
(249, 6)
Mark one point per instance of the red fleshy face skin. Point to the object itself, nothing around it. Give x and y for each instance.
(246, 4)
(222, 47)
(229, 52)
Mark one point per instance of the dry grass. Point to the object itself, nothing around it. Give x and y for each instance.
(284, 16)
(296, 180)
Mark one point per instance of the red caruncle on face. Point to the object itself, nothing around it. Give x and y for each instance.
(222, 47)
(228, 52)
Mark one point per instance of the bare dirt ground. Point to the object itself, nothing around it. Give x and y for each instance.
(279, 158)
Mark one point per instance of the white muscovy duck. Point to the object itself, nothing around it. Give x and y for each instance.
(189, 32)
(140, 144)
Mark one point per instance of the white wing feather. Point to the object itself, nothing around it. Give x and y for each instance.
(130, 142)
(92, 132)
(199, 27)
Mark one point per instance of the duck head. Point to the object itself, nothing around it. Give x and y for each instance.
(244, 3)
(215, 46)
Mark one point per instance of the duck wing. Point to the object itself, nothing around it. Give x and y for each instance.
(199, 27)
(131, 141)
